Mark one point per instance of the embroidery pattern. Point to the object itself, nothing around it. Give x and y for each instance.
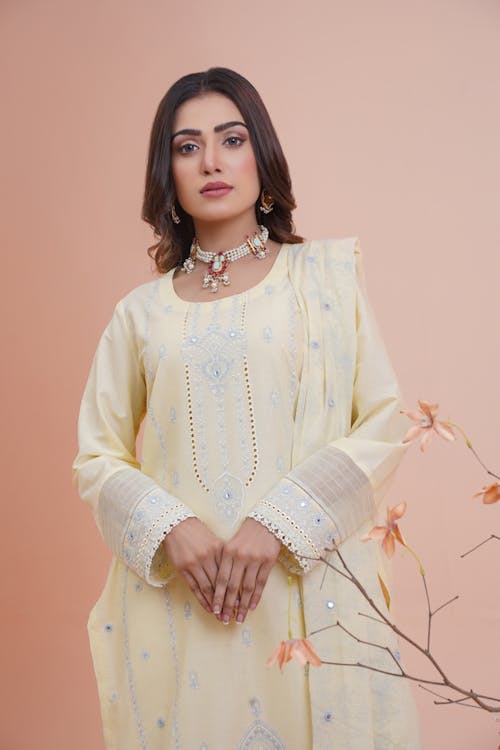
(175, 658)
(148, 368)
(228, 498)
(135, 515)
(261, 737)
(297, 521)
(128, 664)
(292, 344)
(215, 359)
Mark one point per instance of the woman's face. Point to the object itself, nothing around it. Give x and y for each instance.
(213, 164)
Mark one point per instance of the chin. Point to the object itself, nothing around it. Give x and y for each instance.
(220, 213)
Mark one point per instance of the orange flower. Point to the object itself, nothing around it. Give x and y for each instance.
(296, 648)
(426, 423)
(389, 531)
(490, 493)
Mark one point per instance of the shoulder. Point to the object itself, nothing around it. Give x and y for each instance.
(332, 246)
(132, 310)
(324, 257)
(139, 298)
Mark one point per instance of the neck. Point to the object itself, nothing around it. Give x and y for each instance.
(224, 235)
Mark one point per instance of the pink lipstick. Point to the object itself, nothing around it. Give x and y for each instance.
(215, 189)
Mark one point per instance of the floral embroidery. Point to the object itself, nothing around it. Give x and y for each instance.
(175, 658)
(215, 358)
(128, 663)
(194, 682)
(228, 492)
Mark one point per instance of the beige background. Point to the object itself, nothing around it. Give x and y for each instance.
(389, 114)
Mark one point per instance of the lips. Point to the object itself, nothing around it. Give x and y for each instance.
(215, 189)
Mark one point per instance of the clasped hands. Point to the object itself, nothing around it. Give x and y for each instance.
(227, 578)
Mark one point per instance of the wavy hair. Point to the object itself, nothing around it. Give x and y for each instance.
(174, 240)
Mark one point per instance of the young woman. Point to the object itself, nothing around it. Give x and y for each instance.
(271, 428)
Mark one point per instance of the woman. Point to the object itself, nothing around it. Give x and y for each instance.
(271, 427)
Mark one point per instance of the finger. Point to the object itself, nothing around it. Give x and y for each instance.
(204, 584)
(233, 590)
(247, 589)
(261, 581)
(221, 583)
(193, 584)
(211, 570)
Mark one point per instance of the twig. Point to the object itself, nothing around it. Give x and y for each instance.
(492, 536)
(454, 599)
(476, 698)
(449, 701)
(469, 445)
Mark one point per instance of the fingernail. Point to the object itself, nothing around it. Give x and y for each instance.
(225, 619)
(240, 619)
(216, 610)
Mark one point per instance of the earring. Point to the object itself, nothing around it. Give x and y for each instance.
(266, 202)
(173, 213)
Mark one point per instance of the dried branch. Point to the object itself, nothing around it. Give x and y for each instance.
(492, 536)
(448, 701)
(469, 445)
(477, 699)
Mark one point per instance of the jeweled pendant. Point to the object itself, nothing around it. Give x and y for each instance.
(188, 265)
(190, 262)
(217, 272)
(218, 264)
(257, 246)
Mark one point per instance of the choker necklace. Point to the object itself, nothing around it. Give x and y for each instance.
(218, 262)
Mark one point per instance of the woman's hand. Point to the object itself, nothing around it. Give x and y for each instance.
(246, 562)
(195, 553)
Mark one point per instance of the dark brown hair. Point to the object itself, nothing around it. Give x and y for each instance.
(159, 194)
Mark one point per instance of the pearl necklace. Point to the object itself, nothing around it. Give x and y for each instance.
(218, 262)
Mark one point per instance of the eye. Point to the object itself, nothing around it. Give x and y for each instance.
(235, 140)
(186, 148)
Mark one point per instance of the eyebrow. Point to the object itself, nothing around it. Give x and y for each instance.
(217, 128)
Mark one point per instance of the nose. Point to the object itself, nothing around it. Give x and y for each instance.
(210, 158)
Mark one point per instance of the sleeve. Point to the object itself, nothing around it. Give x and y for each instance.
(331, 494)
(132, 512)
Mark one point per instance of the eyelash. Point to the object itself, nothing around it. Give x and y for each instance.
(185, 148)
(236, 138)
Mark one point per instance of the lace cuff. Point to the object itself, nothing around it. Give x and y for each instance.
(299, 522)
(135, 515)
(338, 485)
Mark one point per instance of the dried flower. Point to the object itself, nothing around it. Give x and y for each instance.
(390, 531)
(426, 424)
(296, 648)
(490, 493)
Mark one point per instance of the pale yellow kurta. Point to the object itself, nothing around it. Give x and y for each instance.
(276, 403)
